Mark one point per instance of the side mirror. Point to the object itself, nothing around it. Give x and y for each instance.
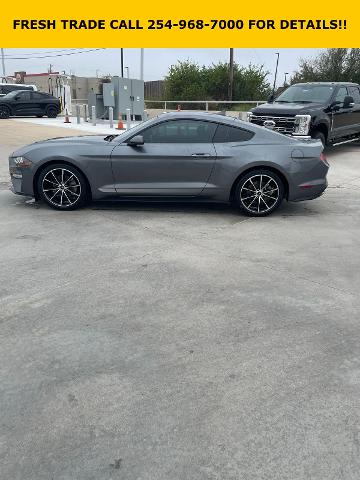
(348, 102)
(270, 98)
(17, 97)
(136, 141)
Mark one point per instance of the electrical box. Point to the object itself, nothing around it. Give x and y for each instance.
(121, 94)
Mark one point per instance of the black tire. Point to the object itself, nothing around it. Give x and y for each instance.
(4, 112)
(319, 136)
(51, 112)
(62, 187)
(259, 193)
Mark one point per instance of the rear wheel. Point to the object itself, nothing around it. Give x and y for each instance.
(4, 111)
(51, 112)
(259, 193)
(62, 187)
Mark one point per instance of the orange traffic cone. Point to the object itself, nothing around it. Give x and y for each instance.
(179, 108)
(120, 125)
(67, 118)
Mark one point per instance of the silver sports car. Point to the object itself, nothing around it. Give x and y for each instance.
(181, 156)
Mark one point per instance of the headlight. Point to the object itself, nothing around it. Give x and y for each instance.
(302, 124)
(248, 116)
(21, 162)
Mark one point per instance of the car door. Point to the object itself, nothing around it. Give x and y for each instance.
(176, 160)
(38, 103)
(343, 119)
(23, 104)
(354, 91)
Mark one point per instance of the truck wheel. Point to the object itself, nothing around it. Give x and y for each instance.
(4, 112)
(319, 136)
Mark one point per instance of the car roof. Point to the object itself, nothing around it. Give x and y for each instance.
(325, 83)
(208, 116)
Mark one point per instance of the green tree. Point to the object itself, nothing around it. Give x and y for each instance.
(331, 65)
(185, 81)
(188, 81)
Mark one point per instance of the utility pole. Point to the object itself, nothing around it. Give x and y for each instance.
(3, 63)
(141, 64)
(122, 62)
(231, 74)
(277, 64)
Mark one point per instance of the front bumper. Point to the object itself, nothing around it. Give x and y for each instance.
(21, 179)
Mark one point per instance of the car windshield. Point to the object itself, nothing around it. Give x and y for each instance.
(306, 94)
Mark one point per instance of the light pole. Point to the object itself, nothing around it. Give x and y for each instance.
(3, 63)
(277, 64)
(141, 64)
(122, 62)
(286, 73)
(231, 74)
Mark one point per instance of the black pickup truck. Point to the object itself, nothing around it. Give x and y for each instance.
(328, 111)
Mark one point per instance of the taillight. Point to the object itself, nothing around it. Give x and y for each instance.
(323, 159)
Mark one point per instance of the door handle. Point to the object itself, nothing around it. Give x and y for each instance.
(200, 155)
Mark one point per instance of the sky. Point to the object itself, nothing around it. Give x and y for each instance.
(156, 61)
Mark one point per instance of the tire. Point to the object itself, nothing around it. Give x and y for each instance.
(4, 112)
(62, 187)
(319, 136)
(259, 193)
(51, 112)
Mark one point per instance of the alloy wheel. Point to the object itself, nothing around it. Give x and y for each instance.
(259, 193)
(61, 187)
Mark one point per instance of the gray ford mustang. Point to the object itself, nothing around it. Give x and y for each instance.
(176, 156)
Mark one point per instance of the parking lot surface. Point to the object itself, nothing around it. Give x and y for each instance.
(173, 342)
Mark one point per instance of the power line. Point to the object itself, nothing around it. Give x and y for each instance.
(48, 51)
(57, 55)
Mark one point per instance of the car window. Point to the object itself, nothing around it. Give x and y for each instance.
(226, 133)
(23, 96)
(341, 94)
(180, 131)
(355, 93)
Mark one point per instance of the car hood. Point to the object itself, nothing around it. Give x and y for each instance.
(62, 142)
(285, 108)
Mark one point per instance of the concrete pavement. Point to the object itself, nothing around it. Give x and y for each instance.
(161, 342)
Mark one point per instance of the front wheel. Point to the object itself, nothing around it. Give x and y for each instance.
(259, 193)
(62, 187)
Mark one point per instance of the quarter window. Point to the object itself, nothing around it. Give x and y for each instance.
(180, 131)
(227, 134)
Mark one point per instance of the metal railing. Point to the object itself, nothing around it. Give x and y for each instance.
(206, 103)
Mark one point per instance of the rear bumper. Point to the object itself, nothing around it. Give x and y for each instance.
(309, 192)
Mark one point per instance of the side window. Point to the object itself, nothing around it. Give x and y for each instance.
(355, 93)
(341, 94)
(180, 131)
(226, 134)
(24, 96)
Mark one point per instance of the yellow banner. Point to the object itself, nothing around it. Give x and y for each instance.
(180, 24)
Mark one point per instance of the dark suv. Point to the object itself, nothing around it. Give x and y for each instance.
(328, 111)
(25, 103)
